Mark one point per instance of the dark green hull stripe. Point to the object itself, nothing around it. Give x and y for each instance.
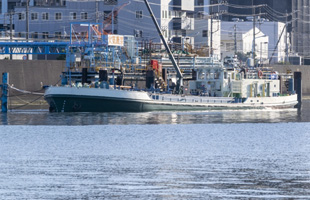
(61, 103)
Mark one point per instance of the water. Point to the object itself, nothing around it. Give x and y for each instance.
(160, 155)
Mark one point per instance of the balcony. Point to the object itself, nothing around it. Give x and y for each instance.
(184, 5)
(183, 24)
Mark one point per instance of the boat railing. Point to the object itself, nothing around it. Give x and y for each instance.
(186, 99)
(262, 75)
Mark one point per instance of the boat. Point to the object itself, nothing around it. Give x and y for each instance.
(215, 87)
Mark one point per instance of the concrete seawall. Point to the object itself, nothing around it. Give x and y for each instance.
(28, 74)
(304, 69)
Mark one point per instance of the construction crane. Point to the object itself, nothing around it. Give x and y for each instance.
(108, 21)
(111, 17)
(175, 64)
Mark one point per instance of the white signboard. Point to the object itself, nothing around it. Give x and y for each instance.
(115, 40)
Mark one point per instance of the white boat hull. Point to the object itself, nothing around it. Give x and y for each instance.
(74, 99)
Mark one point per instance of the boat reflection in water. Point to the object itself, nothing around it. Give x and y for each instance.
(192, 117)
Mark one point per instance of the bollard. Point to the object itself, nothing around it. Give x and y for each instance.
(84, 76)
(298, 88)
(4, 96)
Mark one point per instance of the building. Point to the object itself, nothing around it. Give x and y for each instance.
(241, 8)
(238, 38)
(295, 12)
(175, 17)
(7, 8)
(52, 19)
(269, 41)
(205, 36)
(130, 18)
(301, 29)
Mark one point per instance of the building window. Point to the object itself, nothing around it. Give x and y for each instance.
(200, 3)
(72, 15)
(190, 15)
(229, 46)
(58, 16)
(106, 14)
(138, 33)
(57, 34)
(44, 35)
(21, 16)
(200, 15)
(34, 35)
(83, 15)
(139, 14)
(34, 16)
(205, 33)
(110, 2)
(44, 16)
(166, 33)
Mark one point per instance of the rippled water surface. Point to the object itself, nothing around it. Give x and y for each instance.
(230, 161)
(159, 155)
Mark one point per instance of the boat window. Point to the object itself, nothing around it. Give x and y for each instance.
(201, 75)
(211, 75)
(217, 75)
(225, 75)
(208, 75)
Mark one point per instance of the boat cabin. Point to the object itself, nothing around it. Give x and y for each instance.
(217, 80)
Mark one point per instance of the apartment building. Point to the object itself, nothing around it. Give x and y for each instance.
(52, 20)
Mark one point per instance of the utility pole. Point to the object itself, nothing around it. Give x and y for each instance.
(11, 32)
(286, 44)
(235, 35)
(254, 18)
(4, 25)
(27, 23)
(211, 37)
(113, 20)
(97, 11)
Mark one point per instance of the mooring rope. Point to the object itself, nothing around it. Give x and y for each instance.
(25, 92)
(26, 103)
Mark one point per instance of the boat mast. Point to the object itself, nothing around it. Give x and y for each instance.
(175, 65)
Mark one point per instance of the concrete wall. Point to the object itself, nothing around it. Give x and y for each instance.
(28, 75)
(304, 69)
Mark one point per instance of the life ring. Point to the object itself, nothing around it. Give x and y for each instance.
(260, 74)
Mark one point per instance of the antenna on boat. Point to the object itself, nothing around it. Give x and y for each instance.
(175, 65)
